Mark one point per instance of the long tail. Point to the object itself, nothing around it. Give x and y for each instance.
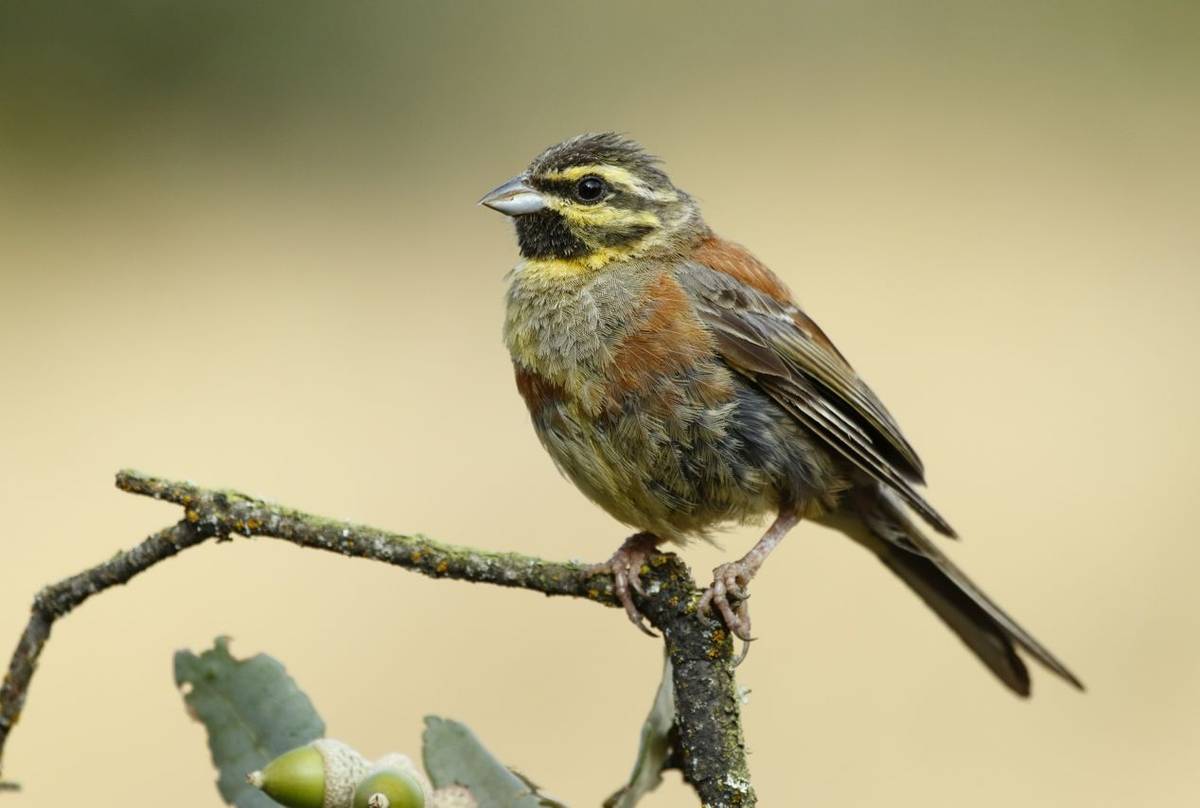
(879, 523)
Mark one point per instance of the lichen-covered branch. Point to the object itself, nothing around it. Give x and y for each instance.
(56, 600)
(707, 706)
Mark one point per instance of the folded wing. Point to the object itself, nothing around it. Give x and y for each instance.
(773, 343)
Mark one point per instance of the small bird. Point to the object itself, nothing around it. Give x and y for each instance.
(673, 379)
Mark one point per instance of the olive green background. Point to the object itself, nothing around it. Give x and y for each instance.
(239, 244)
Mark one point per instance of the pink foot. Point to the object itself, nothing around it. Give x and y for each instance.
(625, 568)
(731, 580)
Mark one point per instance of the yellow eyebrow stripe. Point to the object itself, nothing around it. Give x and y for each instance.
(614, 174)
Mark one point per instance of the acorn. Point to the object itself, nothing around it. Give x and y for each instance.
(386, 786)
(448, 797)
(321, 774)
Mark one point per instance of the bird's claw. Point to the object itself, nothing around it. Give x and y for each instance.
(740, 658)
(730, 581)
(625, 567)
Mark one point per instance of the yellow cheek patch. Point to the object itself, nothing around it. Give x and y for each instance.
(604, 216)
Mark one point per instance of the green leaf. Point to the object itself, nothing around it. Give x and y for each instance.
(253, 712)
(654, 748)
(454, 756)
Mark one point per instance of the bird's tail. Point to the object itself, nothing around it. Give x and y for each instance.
(876, 519)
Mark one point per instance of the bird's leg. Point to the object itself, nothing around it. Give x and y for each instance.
(733, 578)
(625, 567)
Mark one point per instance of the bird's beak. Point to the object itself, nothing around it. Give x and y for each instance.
(514, 198)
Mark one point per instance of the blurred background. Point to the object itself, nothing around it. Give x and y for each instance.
(240, 245)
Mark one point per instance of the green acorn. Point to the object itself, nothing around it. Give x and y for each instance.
(387, 786)
(319, 775)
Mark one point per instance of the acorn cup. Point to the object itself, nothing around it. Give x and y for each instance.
(453, 797)
(322, 774)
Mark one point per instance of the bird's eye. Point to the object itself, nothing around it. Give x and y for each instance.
(590, 189)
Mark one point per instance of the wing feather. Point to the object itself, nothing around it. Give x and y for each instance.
(779, 348)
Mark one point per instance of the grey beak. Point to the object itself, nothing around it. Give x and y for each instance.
(514, 198)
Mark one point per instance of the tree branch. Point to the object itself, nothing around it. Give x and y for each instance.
(708, 711)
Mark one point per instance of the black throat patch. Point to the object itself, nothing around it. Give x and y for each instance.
(545, 234)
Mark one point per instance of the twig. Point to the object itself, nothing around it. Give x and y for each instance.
(707, 705)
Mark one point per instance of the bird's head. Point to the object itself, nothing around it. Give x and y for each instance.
(595, 199)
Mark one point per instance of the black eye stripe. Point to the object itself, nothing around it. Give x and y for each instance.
(618, 196)
(556, 187)
(569, 189)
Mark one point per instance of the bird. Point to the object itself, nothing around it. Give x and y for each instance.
(672, 377)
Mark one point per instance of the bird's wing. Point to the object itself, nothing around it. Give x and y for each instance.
(767, 338)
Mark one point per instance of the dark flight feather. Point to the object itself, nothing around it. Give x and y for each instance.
(877, 521)
(762, 338)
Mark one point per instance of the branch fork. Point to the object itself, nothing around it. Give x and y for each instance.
(708, 716)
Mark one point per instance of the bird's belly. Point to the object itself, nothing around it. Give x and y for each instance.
(677, 464)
